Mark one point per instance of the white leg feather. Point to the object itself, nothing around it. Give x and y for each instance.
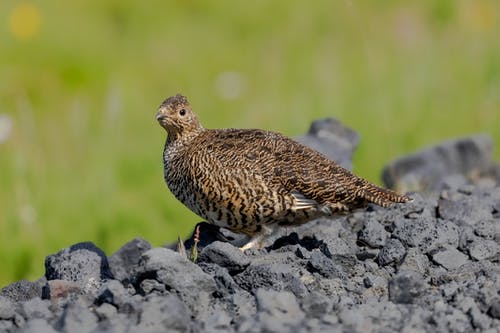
(257, 240)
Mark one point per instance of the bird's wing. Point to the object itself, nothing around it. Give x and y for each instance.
(301, 202)
(280, 163)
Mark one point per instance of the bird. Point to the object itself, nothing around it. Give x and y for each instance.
(253, 181)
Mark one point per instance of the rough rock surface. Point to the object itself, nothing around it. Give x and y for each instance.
(450, 164)
(333, 139)
(429, 265)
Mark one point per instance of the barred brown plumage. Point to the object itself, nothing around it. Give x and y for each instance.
(248, 179)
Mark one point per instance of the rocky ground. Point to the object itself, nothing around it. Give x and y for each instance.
(431, 265)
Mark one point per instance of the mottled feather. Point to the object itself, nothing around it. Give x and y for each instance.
(242, 179)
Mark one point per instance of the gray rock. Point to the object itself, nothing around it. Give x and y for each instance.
(351, 318)
(161, 314)
(278, 276)
(426, 233)
(218, 322)
(225, 255)
(367, 254)
(425, 170)
(463, 209)
(373, 234)
(6, 308)
(315, 235)
(7, 326)
(149, 286)
(495, 200)
(484, 249)
(179, 274)
(393, 252)
(448, 319)
(36, 308)
(106, 311)
(494, 309)
(23, 290)
(466, 238)
(77, 317)
(449, 289)
(278, 311)
(450, 258)
(319, 263)
(113, 292)
(174, 270)
(120, 322)
(374, 316)
(38, 325)
(452, 182)
(447, 234)
(475, 279)
(242, 304)
(316, 305)
(331, 138)
(317, 277)
(487, 229)
(423, 206)
(83, 263)
(226, 285)
(123, 261)
(376, 284)
(406, 287)
(495, 172)
(415, 261)
(420, 233)
(478, 319)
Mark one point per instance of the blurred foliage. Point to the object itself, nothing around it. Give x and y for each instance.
(80, 151)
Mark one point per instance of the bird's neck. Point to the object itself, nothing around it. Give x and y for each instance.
(177, 146)
(183, 137)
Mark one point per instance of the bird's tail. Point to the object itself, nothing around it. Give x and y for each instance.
(383, 197)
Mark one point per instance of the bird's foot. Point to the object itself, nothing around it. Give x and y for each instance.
(254, 243)
(257, 241)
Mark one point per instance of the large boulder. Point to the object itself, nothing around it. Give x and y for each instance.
(450, 164)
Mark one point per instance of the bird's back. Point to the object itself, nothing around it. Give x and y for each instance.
(282, 165)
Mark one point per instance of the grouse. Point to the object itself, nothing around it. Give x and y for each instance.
(250, 181)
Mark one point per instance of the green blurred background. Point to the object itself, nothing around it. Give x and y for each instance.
(80, 82)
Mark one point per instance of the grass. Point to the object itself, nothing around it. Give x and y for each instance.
(83, 158)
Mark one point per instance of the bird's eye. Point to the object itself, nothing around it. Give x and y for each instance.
(182, 112)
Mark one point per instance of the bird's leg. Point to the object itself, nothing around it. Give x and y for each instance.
(256, 241)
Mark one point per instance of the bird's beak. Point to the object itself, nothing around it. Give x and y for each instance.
(160, 116)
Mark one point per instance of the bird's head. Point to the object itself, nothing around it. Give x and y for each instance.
(177, 118)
